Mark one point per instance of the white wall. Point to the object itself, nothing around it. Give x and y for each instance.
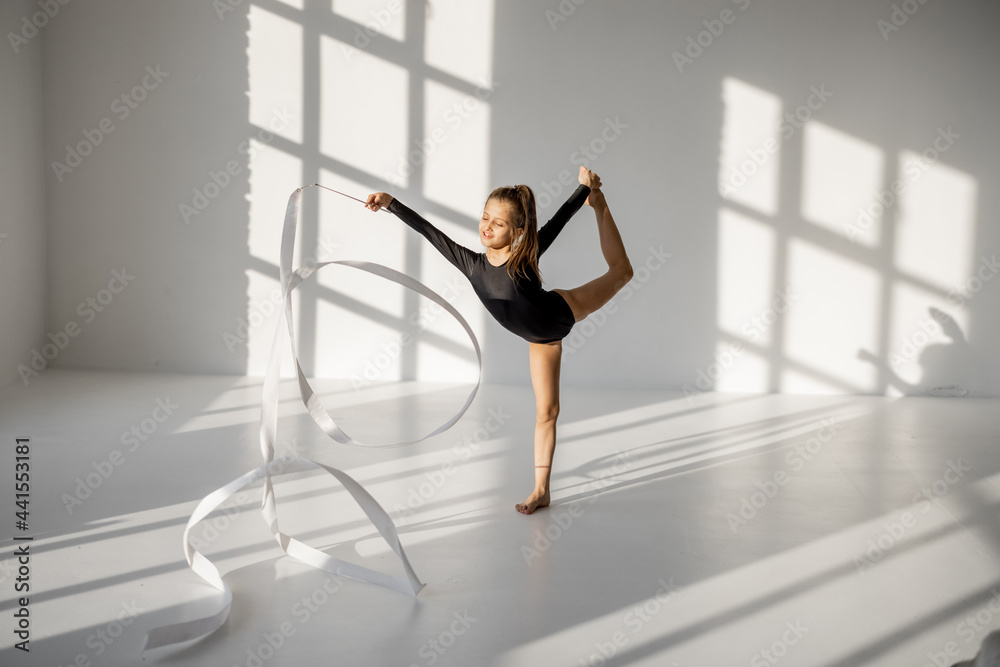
(22, 193)
(785, 226)
(347, 108)
(183, 73)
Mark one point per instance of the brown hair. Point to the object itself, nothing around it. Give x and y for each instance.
(520, 200)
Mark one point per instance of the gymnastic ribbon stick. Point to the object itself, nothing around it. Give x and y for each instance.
(189, 630)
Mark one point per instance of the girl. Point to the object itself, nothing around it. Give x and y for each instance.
(507, 281)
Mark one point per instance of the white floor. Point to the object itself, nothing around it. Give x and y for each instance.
(643, 556)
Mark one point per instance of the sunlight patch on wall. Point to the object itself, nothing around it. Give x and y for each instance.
(351, 342)
(834, 315)
(459, 38)
(437, 362)
(456, 149)
(841, 177)
(274, 174)
(348, 230)
(362, 129)
(937, 215)
(745, 371)
(275, 74)
(377, 18)
(749, 155)
(745, 276)
(263, 313)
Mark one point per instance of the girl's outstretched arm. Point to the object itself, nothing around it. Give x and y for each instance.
(461, 257)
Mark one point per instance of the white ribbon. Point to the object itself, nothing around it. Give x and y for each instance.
(194, 629)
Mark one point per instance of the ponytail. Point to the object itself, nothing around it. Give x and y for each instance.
(524, 248)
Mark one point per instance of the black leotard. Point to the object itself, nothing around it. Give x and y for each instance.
(533, 313)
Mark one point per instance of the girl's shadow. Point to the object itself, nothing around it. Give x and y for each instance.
(946, 366)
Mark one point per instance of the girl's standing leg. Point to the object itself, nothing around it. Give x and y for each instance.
(544, 360)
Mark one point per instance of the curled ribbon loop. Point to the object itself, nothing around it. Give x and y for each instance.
(194, 629)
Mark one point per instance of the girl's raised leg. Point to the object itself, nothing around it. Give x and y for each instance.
(589, 297)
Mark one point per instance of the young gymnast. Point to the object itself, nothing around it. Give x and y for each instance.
(507, 281)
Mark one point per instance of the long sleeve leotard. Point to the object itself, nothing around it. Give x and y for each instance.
(524, 308)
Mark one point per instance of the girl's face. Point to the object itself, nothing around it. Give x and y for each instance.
(495, 227)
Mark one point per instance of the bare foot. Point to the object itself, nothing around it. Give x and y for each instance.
(533, 502)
